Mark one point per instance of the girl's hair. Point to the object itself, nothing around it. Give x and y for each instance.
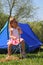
(12, 20)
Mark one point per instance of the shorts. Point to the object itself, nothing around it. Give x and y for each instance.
(15, 42)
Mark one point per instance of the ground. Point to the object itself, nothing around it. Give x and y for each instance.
(32, 59)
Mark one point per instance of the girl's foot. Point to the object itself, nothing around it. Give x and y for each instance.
(8, 57)
(23, 55)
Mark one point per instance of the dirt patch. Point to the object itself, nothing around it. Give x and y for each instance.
(9, 59)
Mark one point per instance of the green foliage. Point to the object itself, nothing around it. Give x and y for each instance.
(3, 19)
(37, 27)
(32, 59)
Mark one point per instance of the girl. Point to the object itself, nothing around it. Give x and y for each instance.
(15, 39)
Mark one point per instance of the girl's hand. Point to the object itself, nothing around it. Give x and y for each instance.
(13, 37)
(19, 30)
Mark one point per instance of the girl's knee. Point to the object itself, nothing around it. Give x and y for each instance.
(22, 41)
(23, 44)
(9, 44)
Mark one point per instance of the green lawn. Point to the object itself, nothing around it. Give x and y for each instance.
(32, 59)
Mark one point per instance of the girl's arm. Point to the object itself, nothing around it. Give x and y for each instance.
(11, 32)
(19, 30)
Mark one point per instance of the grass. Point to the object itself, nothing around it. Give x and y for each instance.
(32, 59)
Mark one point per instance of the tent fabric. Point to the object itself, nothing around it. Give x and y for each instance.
(4, 37)
(31, 40)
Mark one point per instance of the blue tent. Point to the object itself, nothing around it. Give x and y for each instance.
(31, 40)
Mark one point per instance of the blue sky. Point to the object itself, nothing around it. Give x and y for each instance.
(39, 12)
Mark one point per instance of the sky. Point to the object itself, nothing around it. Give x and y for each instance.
(39, 11)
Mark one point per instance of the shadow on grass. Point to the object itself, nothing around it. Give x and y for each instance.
(34, 56)
(37, 54)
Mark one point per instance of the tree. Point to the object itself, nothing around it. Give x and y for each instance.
(26, 10)
(22, 8)
(9, 4)
(1, 7)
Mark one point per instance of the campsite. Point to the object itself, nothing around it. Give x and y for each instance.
(34, 52)
(29, 19)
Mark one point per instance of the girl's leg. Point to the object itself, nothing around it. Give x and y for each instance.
(9, 49)
(23, 48)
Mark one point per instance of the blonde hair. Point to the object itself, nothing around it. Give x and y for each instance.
(11, 20)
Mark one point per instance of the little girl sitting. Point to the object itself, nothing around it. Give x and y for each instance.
(15, 39)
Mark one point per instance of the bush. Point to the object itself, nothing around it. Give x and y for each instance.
(37, 27)
(3, 19)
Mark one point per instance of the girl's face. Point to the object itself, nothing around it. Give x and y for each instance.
(14, 25)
